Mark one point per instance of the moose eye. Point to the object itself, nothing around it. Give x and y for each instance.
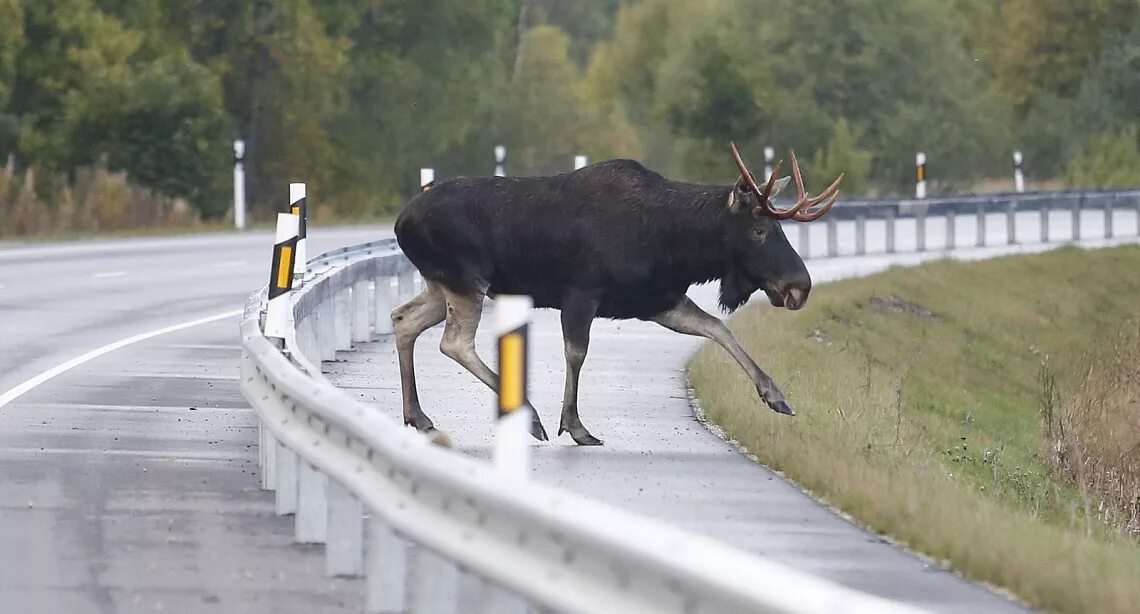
(759, 234)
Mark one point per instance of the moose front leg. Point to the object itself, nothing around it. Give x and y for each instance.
(688, 319)
(577, 315)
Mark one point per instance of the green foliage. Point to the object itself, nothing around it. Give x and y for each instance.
(353, 97)
(842, 156)
(1109, 161)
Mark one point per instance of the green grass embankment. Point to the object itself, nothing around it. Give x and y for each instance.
(920, 402)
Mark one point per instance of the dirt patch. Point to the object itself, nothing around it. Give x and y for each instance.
(893, 303)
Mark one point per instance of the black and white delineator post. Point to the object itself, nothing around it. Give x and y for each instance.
(580, 162)
(920, 175)
(1018, 176)
(239, 185)
(500, 161)
(427, 179)
(769, 154)
(299, 206)
(279, 314)
(512, 447)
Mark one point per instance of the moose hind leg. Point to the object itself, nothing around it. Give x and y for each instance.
(689, 319)
(577, 316)
(464, 312)
(408, 321)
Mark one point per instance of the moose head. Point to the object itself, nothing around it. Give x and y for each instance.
(760, 255)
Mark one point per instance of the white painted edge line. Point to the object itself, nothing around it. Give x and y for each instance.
(21, 389)
(108, 274)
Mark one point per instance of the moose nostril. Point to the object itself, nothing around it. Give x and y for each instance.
(795, 297)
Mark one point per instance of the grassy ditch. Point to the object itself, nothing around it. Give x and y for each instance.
(984, 414)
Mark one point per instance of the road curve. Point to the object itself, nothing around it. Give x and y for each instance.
(658, 459)
(129, 482)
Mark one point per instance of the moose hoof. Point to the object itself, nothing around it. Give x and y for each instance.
(537, 430)
(421, 423)
(782, 407)
(581, 436)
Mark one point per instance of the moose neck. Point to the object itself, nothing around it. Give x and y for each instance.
(697, 241)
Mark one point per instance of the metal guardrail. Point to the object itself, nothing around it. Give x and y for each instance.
(1059, 216)
(367, 487)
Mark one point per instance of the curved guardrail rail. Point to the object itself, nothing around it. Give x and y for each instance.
(366, 486)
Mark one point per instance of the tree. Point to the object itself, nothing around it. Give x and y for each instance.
(1046, 45)
(1108, 161)
(541, 123)
(842, 156)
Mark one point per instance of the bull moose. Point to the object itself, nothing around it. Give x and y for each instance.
(611, 240)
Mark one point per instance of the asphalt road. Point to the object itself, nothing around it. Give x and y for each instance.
(658, 459)
(128, 483)
(115, 495)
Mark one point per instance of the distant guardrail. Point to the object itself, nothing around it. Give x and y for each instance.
(887, 226)
(365, 486)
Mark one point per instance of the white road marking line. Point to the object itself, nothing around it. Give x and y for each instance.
(23, 388)
(161, 375)
(108, 274)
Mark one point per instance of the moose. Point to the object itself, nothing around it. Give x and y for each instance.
(611, 240)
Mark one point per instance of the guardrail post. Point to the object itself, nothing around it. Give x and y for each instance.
(1136, 209)
(805, 241)
(299, 207)
(1108, 231)
(384, 305)
(344, 550)
(951, 231)
(980, 240)
(286, 500)
(279, 313)
(326, 334)
(386, 567)
(860, 234)
(1044, 222)
(512, 319)
(343, 320)
(1078, 206)
(832, 238)
(436, 580)
(407, 284)
(920, 228)
(1011, 222)
(496, 600)
(890, 229)
(267, 445)
(311, 521)
(361, 327)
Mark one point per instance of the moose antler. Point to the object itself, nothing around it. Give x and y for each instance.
(798, 210)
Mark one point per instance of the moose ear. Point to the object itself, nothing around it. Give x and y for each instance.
(779, 185)
(735, 198)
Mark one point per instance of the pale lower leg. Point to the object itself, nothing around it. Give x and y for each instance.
(687, 318)
(408, 321)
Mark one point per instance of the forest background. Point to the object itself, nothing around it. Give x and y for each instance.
(121, 114)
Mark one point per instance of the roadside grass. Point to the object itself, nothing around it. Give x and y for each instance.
(919, 395)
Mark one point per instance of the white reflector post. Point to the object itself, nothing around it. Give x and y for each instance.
(299, 206)
(278, 315)
(239, 184)
(769, 154)
(511, 452)
(580, 162)
(920, 175)
(427, 179)
(500, 161)
(1018, 176)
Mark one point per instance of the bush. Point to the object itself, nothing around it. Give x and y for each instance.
(1108, 161)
